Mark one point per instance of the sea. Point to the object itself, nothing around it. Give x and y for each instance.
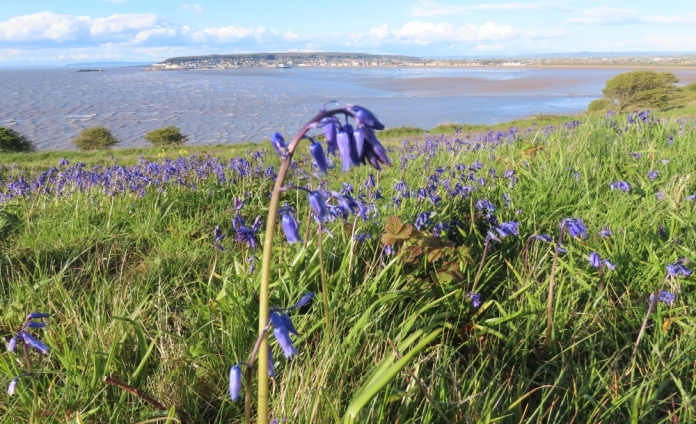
(51, 106)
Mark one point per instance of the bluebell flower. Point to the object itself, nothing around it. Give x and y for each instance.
(217, 233)
(691, 197)
(287, 322)
(560, 249)
(660, 195)
(365, 117)
(621, 185)
(347, 147)
(664, 296)
(271, 368)
(32, 342)
(575, 226)
(318, 154)
(652, 175)
(505, 229)
(485, 205)
(362, 237)
(610, 266)
(422, 221)
(12, 387)
(330, 128)
(318, 205)
(290, 227)
(606, 232)
(678, 268)
(12, 344)
(248, 235)
(635, 155)
(278, 143)
(235, 382)
(63, 162)
(282, 335)
(475, 299)
(389, 250)
(595, 260)
(542, 237)
(304, 300)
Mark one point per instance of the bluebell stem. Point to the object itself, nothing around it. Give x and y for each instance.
(235, 381)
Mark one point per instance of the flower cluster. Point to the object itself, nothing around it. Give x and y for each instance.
(23, 336)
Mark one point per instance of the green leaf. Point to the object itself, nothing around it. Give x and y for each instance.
(380, 379)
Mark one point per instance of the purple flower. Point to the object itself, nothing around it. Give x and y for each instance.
(475, 299)
(12, 386)
(304, 300)
(278, 143)
(664, 296)
(290, 227)
(32, 342)
(248, 235)
(330, 133)
(362, 237)
(485, 205)
(595, 260)
(217, 233)
(365, 117)
(505, 229)
(691, 197)
(560, 249)
(575, 226)
(542, 237)
(610, 266)
(235, 382)
(606, 232)
(282, 335)
(63, 162)
(287, 322)
(422, 221)
(621, 185)
(318, 204)
(347, 147)
(678, 268)
(12, 344)
(271, 368)
(389, 250)
(652, 175)
(660, 195)
(318, 155)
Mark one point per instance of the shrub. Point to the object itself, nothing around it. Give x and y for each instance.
(13, 142)
(647, 89)
(600, 105)
(168, 136)
(95, 138)
(690, 87)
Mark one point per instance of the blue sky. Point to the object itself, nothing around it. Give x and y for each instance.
(46, 32)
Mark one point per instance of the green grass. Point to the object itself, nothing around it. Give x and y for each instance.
(136, 290)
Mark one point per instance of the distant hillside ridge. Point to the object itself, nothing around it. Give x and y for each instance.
(290, 56)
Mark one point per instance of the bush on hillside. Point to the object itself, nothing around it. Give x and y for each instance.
(641, 89)
(600, 105)
(13, 142)
(690, 87)
(168, 136)
(95, 138)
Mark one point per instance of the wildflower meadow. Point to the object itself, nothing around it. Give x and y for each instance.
(538, 274)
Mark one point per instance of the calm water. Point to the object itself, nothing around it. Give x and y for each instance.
(51, 106)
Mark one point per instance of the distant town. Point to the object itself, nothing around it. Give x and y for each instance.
(292, 60)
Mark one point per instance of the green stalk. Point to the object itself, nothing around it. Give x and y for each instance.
(266, 260)
(323, 280)
(549, 306)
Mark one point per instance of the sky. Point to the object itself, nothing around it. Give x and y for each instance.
(55, 32)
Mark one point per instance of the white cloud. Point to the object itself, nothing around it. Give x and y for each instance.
(51, 27)
(425, 33)
(672, 43)
(193, 8)
(615, 16)
(432, 8)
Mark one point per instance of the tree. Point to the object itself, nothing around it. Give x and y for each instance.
(13, 142)
(95, 138)
(168, 136)
(641, 89)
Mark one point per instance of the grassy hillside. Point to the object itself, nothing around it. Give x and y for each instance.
(120, 252)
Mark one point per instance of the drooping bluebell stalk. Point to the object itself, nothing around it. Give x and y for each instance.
(323, 119)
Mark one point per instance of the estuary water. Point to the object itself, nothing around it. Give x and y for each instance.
(51, 106)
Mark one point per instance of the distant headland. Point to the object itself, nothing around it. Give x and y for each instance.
(329, 59)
